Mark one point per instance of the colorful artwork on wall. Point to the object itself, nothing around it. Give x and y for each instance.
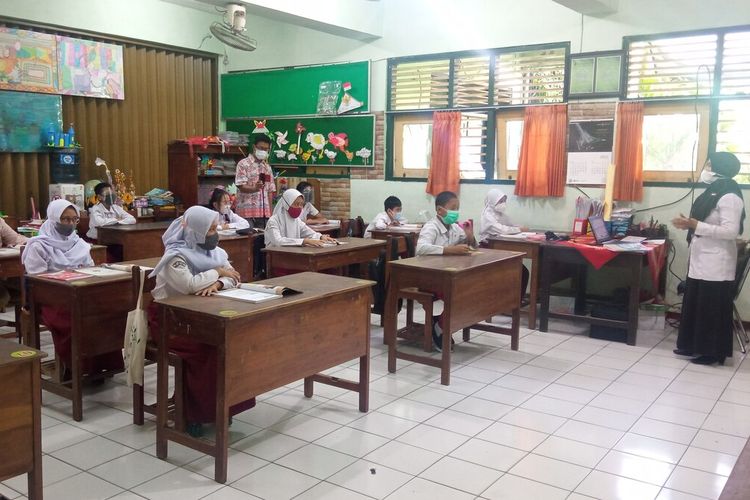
(25, 119)
(28, 61)
(91, 69)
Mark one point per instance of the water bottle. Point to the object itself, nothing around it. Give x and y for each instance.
(71, 137)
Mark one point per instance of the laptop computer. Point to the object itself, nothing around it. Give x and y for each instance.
(599, 230)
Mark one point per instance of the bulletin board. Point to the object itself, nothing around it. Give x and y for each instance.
(24, 118)
(330, 141)
(289, 91)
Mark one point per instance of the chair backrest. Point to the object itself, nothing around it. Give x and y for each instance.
(135, 285)
(743, 266)
(357, 227)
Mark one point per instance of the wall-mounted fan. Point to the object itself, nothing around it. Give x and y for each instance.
(231, 30)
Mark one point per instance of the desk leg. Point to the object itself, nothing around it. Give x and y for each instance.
(162, 387)
(391, 323)
(634, 297)
(546, 285)
(580, 299)
(35, 475)
(308, 387)
(75, 356)
(269, 265)
(222, 417)
(534, 288)
(515, 329)
(445, 367)
(364, 382)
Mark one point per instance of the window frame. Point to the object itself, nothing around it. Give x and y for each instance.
(704, 127)
(501, 154)
(394, 172)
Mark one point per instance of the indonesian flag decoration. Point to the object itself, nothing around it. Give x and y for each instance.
(348, 103)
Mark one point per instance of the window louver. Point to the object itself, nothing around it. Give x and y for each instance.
(735, 64)
(471, 78)
(420, 85)
(471, 146)
(530, 77)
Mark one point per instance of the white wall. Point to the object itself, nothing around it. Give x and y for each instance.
(148, 20)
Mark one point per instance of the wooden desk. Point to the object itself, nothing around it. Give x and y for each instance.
(412, 233)
(20, 415)
(240, 251)
(11, 267)
(138, 241)
(531, 251)
(353, 251)
(473, 287)
(99, 307)
(631, 263)
(264, 346)
(332, 229)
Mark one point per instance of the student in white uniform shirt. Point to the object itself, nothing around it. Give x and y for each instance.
(716, 220)
(193, 264)
(285, 228)
(221, 202)
(443, 236)
(106, 212)
(310, 214)
(391, 217)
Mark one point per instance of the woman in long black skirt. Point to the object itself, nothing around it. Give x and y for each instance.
(715, 222)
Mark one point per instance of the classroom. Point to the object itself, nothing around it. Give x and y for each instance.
(374, 249)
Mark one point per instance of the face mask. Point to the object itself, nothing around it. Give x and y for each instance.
(64, 229)
(307, 194)
(260, 154)
(500, 207)
(398, 216)
(224, 210)
(451, 217)
(211, 242)
(295, 212)
(108, 200)
(708, 177)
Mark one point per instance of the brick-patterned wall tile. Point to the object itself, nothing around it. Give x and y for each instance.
(377, 171)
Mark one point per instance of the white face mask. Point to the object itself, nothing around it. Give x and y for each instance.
(260, 154)
(224, 210)
(707, 177)
(500, 207)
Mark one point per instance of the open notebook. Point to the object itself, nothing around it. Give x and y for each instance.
(255, 293)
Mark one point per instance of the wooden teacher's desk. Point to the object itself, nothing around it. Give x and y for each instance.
(20, 415)
(473, 287)
(99, 307)
(263, 346)
(350, 251)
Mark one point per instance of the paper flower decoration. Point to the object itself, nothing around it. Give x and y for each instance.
(299, 128)
(331, 155)
(281, 138)
(291, 156)
(306, 156)
(317, 141)
(349, 155)
(260, 127)
(280, 153)
(364, 153)
(339, 141)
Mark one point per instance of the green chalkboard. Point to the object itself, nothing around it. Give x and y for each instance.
(339, 141)
(289, 91)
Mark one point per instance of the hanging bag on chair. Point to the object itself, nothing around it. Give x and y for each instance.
(136, 337)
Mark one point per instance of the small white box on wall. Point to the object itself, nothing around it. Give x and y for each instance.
(71, 192)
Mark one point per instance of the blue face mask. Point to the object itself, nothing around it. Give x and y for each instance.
(398, 216)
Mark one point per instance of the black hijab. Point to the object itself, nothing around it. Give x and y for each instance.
(727, 166)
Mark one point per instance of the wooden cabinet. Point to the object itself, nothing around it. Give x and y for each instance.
(21, 422)
(188, 181)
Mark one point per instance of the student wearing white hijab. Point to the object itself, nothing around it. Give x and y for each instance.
(495, 222)
(193, 264)
(57, 248)
(285, 228)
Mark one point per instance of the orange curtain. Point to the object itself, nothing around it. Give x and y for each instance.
(629, 152)
(444, 161)
(541, 166)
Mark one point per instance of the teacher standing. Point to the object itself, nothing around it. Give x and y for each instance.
(716, 220)
(255, 185)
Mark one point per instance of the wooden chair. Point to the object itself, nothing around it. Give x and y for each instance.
(410, 330)
(176, 407)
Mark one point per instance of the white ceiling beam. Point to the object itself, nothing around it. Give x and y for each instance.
(594, 8)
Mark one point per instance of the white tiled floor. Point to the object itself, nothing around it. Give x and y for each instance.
(565, 417)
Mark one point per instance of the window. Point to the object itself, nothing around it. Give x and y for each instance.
(419, 85)
(509, 132)
(733, 133)
(471, 78)
(412, 139)
(675, 141)
(530, 77)
(735, 64)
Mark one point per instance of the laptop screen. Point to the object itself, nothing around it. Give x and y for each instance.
(599, 229)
